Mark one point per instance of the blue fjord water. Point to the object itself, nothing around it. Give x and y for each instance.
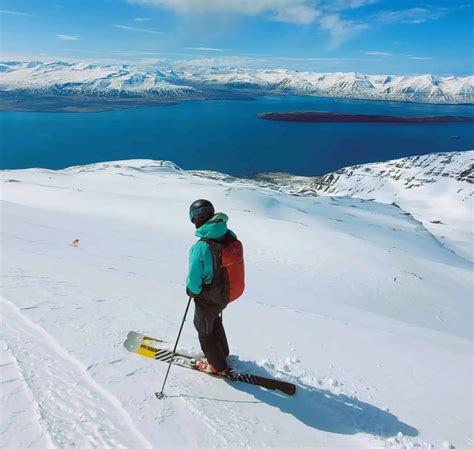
(226, 136)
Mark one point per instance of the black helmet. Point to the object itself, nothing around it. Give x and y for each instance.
(201, 211)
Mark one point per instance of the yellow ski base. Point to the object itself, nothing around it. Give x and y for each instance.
(145, 350)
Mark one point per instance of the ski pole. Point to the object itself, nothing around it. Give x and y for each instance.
(161, 395)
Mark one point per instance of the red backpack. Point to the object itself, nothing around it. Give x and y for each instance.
(228, 266)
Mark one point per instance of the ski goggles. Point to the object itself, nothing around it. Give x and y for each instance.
(205, 210)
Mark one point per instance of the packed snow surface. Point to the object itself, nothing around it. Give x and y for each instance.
(185, 80)
(353, 300)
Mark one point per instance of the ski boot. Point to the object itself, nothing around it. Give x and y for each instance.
(204, 366)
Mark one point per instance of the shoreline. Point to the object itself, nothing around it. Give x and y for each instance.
(29, 102)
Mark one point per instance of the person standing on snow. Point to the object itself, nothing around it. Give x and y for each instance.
(216, 277)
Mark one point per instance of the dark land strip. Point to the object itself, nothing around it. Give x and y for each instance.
(334, 117)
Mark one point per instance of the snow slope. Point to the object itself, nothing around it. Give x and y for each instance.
(353, 300)
(436, 189)
(184, 80)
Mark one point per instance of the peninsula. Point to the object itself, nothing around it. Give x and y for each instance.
(335, 117)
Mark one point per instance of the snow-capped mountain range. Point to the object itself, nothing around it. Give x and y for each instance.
(68, 79)
(188, 81)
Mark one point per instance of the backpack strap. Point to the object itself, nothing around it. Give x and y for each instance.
(215, 248)
(216, 245)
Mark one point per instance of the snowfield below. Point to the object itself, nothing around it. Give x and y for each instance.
(353, 300)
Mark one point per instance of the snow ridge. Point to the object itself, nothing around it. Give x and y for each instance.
(411, 183)
(187, 81)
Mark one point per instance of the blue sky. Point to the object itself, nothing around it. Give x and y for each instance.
(369, 36)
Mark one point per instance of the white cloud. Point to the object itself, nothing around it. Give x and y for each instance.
(141, 30)
(378, 53)
(151, 61)
(229, 61)
(15, 13)
(142, 19)
(204, 48)
(402, 55)
(67, 37)
(324, 13)
(413, 15)
(300, 12)
(348, 4)
(302, 59)
(340, 29)
(150, 53)
(264, 62)
(420, 58)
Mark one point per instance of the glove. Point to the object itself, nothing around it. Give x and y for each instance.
(190, 293)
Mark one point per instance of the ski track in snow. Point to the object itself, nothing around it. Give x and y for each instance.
(70, 408)
(23, 412)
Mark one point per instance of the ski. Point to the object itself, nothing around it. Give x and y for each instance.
(146, 347)
(149, 347)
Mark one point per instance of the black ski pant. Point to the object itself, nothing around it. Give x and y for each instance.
(212, 336)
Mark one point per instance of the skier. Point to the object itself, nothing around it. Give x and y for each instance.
(216, 277)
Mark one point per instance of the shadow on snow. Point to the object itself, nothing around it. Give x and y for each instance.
(326, 411)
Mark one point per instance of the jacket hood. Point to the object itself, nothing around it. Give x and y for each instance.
(214, 228)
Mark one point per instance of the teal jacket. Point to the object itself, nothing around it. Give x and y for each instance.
(200, 257)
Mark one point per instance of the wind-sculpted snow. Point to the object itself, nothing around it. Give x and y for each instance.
(353, 300)
(186, 81)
